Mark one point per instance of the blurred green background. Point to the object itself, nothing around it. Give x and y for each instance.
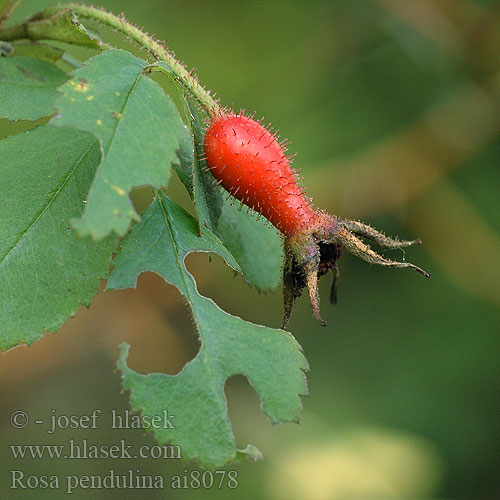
(393, 110)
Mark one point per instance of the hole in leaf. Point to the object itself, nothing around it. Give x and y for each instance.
(10, 128)
(230, 292)
(156, 321)
(250, 424)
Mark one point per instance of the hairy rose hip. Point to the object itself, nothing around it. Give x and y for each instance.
(250, 163)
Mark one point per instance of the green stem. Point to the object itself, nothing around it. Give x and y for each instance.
(186, 78)
(71, 61)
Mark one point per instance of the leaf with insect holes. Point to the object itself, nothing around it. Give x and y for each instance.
(254, 244)
(45, 271)
(139, 131)
(271, 359)
(28, 87)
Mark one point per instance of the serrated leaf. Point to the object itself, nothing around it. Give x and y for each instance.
(139, 130)
(255, 244)
(44, 270)
(271, 359)
(28, 87)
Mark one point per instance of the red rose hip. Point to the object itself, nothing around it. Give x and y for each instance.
(249, 163)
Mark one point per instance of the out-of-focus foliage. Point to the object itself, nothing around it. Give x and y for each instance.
(393, 110)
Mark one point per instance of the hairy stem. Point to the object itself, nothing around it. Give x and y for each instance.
(186, 78)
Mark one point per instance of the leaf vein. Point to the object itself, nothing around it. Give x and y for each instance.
(187, 293)
(49, 203)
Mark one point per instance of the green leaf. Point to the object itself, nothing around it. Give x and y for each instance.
(36, 50)
(64, 27)
(44, 270)
(28, 87)
(271, 359)
(7, 7)
(183, 165)
(255, 244)
(207, 198)
(139, 130)
(26, 9)
(192, 169)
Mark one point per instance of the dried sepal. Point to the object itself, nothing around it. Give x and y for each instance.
(313, 253)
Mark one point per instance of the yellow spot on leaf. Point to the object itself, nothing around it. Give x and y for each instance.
(81, 87)
(117, 93)
(72, 82)
(99, 122)
(119, 190)
(90, 97)
(72, 99)
(116, 211)
(118, 116)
